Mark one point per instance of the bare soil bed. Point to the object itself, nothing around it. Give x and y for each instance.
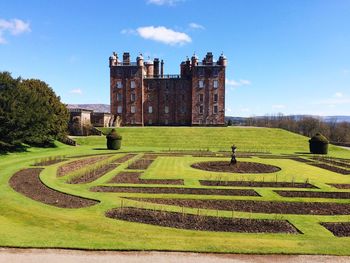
(341, 229)
(125, 158)
(141, 164)
(257, 184)
(332, 162)
(240, 167)
(92, 175)
(341, 186)
(49, 162)
(27, 182)
(175, 190)
(298, 208)
(331, 168)
(309, 194)
(134, 178)
(203, 223)
(78, 164)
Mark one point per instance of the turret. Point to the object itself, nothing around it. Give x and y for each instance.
(222, 60)
(113, 60)
(149, 68)
(194, 60)
(139, 60)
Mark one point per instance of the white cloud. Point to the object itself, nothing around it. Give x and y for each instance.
(196, 26)
(338, 94)
(14, 27)
(76, 91)
(234, 83)
(163, 35)
(164, 2)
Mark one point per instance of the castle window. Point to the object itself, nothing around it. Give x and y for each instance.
(166, 122)
(166, 109)
(132, 97)
(119, 97)
(201, 84)
(183, 97)
(201, 109)
(132, 84)
(215, 72)
(215, 110)
(119, 84)
(200, 71)
(150, 109)
(150, 122)
(132, 121)
(215, 84)
(201, 98)
(119, 109)
(166, 97)
(133, 109)
(215, 97)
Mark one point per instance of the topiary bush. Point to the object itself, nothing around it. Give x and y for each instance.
(114, 140)
(318, 144)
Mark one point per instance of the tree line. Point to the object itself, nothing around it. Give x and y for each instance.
(30, 113)
(336, 132)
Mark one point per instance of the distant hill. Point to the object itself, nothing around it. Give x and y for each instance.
(94, 107)
(336, 118)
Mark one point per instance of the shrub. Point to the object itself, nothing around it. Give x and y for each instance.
(318, 144)
(113, 140)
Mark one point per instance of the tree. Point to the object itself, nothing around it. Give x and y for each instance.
(229, 122)
(30, 112)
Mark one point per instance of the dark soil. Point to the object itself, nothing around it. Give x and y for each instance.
(341, 186)
(332, 161)
(134, 178)
(331, 168)
(28, 183)
(140, 164)
(203, 223)
(125, 158)
(309, 194)
(338, 229)
(240, 167)
(92, 175)
(175, 190)
(257, 184)
(298, 208)
(78, 164)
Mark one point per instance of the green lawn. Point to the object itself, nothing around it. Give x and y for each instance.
(28, 223)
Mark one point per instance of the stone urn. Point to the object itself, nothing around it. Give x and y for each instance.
(114, 140)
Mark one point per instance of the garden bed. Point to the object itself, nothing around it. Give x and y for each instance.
(240, 167)
(332, 162)
(141, 164)
(341, 186)
(78, 164)
(257, 184)
(298, 208)
(339, 229)
(199, 222)
(134, 178)
(47, 162)
(331, 168)
(309, 194)
(93, 174)
(175, 190)
(28, 183)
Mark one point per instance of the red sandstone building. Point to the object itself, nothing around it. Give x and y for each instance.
(141, 94)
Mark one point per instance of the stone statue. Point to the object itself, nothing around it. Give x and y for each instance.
(233, 156)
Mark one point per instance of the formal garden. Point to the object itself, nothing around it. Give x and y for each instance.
(173, 189)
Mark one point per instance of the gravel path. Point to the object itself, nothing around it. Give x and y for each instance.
(76, 256)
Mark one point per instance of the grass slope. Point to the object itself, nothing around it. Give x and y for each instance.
(27, 223)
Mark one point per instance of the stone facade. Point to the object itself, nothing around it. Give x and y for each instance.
(141, 94)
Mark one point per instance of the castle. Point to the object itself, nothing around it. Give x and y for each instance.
(141, 94)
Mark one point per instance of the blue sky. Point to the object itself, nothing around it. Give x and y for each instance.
(289, 56)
